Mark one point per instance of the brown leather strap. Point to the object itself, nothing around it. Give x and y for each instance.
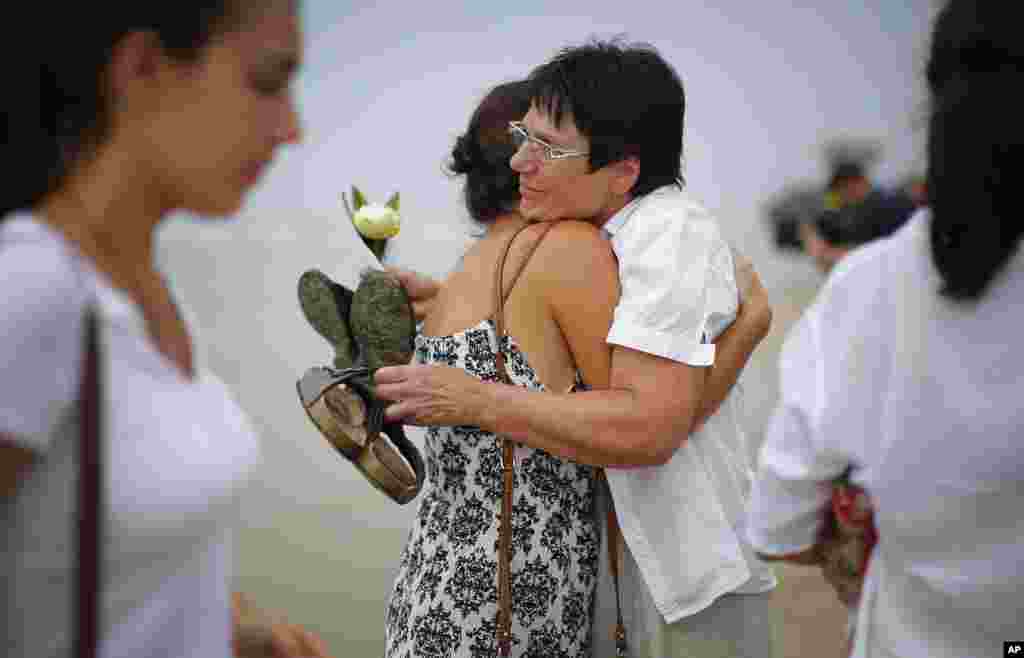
(504, 620)
(614, 537)
(500, 293)
(90, 496)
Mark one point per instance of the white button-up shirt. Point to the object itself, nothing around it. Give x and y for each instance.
(683, 520)
(925, 398)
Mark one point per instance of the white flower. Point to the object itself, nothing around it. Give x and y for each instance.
(377, 222)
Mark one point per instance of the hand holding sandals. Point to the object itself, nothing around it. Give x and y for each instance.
(368, 328)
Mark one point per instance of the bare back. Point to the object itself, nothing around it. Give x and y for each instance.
(559, 307)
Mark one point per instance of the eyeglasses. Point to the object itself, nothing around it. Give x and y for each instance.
(520, 135)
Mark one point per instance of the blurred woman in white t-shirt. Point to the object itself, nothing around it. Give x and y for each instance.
(116, 115)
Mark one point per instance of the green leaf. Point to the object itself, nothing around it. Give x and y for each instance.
(358, 200)
(348, 208)
(393, 202)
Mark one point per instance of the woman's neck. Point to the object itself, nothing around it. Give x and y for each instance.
(110, 214)
(107, 213)
(507, 222)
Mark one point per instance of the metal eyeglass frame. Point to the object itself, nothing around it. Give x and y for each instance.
(520, 136)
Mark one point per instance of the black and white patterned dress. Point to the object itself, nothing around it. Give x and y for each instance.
(445, 596)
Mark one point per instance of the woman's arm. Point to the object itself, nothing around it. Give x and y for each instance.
(421, 289)
(641, 419)
(581, 281)
(582, 284)
(733, 348)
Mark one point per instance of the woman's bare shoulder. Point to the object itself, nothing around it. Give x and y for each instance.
(577, 252)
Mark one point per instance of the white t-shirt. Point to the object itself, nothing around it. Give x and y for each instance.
(925, 398)
(177, 453)
(683, 520)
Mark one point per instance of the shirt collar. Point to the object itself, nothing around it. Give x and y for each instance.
(619, 219)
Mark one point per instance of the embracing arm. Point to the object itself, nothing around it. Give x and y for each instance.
(638, 402)
(639, 421)
(737, 343)
(644, 410)
(733, 349)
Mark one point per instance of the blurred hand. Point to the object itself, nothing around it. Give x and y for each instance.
(746, 277)
(431, 395)
(847, 539)
(754, 305)
(839, 571)
(421, 289)
(258, 634)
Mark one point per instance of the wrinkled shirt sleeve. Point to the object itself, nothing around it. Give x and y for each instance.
(678, 284)
(795, 469)
(41, 347)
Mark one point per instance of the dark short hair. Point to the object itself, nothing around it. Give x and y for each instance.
(56, 108)
(845, 172)
(876, 216)
(483, 152)
(625, 99)
(975, 143)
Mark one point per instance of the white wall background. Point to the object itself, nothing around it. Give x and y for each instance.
(385, 89)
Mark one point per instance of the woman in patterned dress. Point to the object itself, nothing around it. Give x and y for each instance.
(560, 285)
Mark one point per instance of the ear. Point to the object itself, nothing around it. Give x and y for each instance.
(625, 174)
(135, 60)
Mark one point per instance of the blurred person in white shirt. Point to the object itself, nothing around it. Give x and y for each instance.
(116, 116)
(907, 371)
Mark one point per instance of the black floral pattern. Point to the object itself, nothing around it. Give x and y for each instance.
(430, 581)
(524, 523)
(471, 520)
(544, 477)
(484, 640)
(415, 560)
(533, 591)
(556, 529)
(470, 436)
(436, 635)
(453, 461)
(472, 583)
(488, 471)
(546, 642)
(444, 600)
(586, 555)
(443, 350)
(516, 361)
(480, 354)
(399, 610)
(438, 521)
(575, 615)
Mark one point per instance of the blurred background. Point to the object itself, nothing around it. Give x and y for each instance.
(785, 101)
